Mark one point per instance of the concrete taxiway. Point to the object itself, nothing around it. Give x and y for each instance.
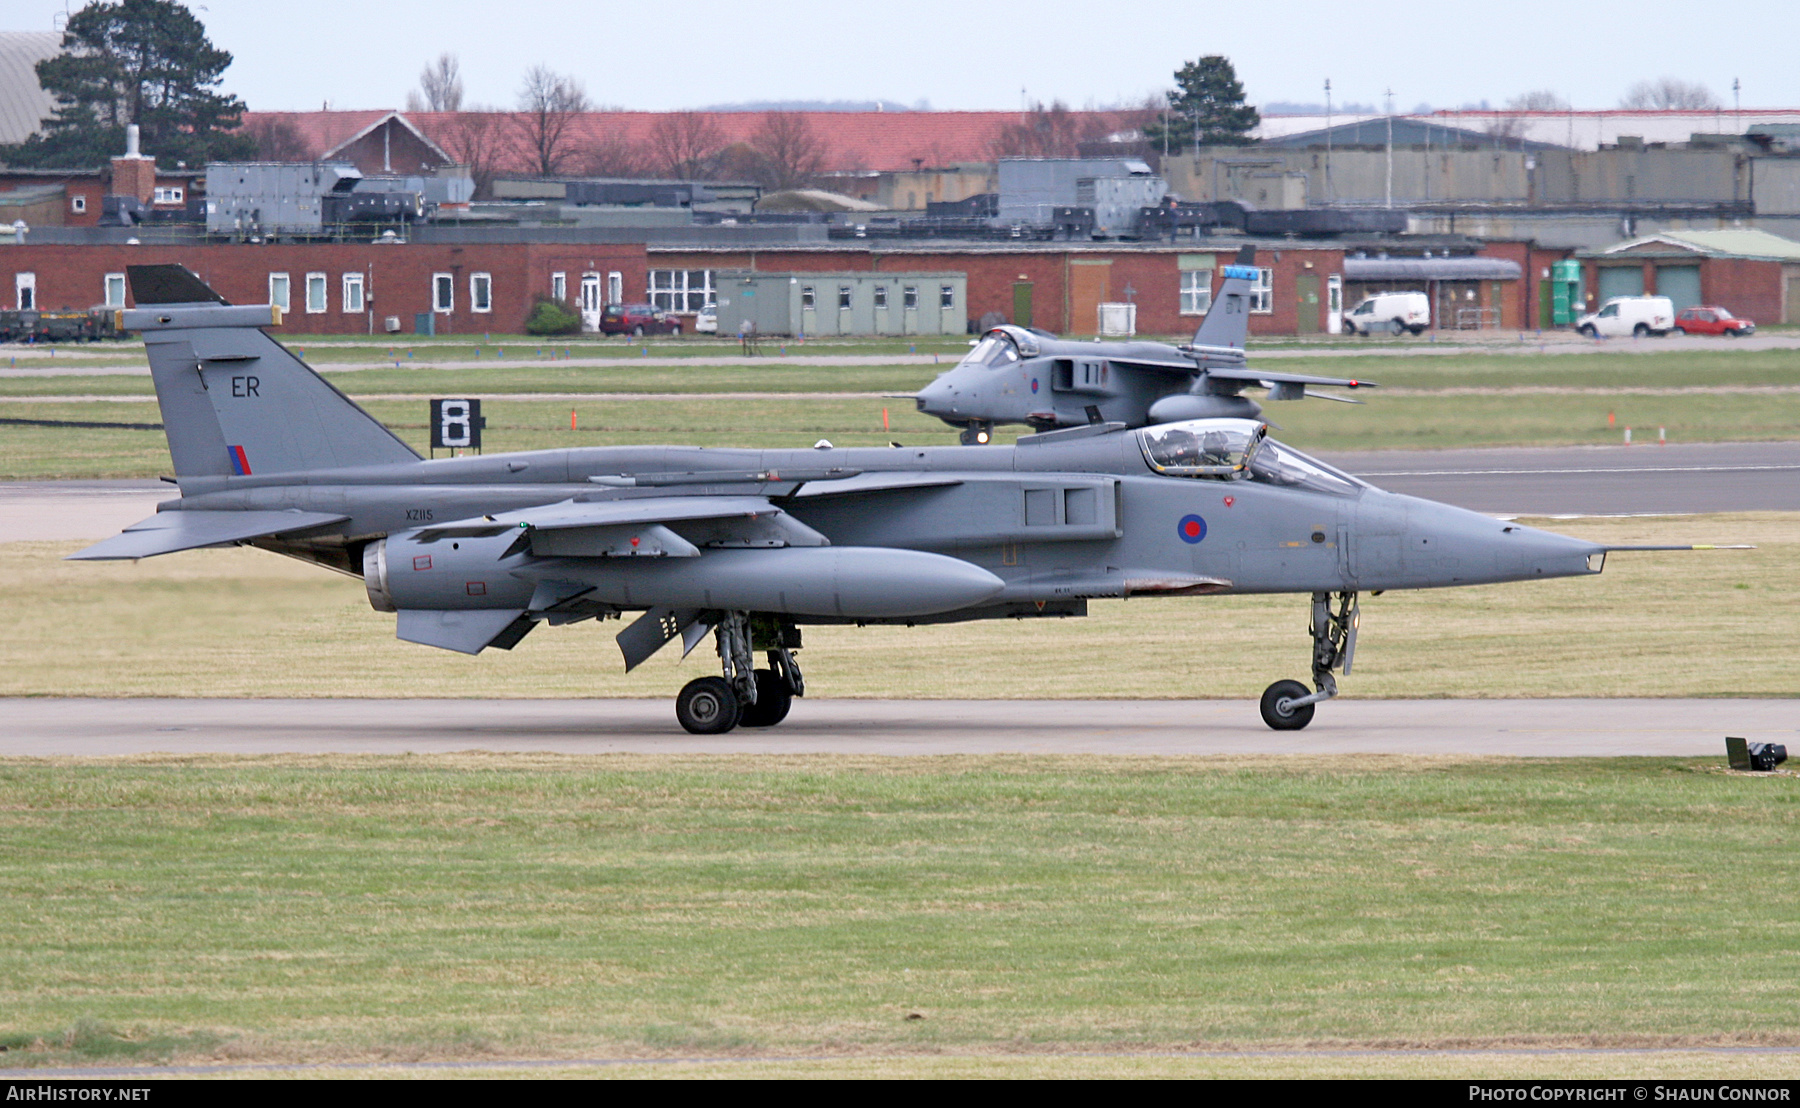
(1525, 728)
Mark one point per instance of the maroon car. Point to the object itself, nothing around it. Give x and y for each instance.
(1712, 320)
(637, 320)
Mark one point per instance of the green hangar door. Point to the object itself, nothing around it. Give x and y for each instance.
(1680, 283)
(1620, 280)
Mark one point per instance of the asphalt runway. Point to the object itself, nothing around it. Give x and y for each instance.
(1524, 728)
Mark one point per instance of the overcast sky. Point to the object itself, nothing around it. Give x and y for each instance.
(957, 54)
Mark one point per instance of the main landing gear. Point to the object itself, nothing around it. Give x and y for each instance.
(745, 696)
(1287, 705)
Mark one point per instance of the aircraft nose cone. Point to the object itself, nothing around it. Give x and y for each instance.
(1439, 544)
(936, 398)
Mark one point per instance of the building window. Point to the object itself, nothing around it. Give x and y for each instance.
(806, 297)
(946, 296)
(1262, 292)
(443, 292)
(559, 287)
(25, 291)
(78, 204)
(909, 297)
(481, 292)
(278, 292)
(843, 298)
(881, 297)
(353, 292)
(681, 290)
(167, 195)
(315, 292)
(115, 290)
(1196, 291)
(615, 287)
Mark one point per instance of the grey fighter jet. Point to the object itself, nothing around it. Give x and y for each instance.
(1019, 375)
(751, 545)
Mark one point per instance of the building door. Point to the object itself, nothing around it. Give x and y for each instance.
(1619, 280)
(25, 292)
(1306, 294)
(1680, 283)
(1021, 313)
(590, 302)
(1334, 304)
(1090, 285)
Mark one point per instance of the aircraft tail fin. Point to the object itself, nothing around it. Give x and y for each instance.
(236, 403)
(1227, 322)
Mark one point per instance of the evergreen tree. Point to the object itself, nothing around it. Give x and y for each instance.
(146, 62)
(1207, 104)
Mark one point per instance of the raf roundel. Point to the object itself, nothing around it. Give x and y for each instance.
(1034, 384)
(1191, 529)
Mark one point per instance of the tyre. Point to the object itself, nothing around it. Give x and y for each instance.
(1400, 327)
(1294, 718)
(1640, 331)
(1589, 331)
(1734, 333)
(638, 331)
(773, 699)
(707, 706)
(675, 330)
(1682, 331)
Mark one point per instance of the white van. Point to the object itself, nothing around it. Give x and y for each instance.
(1629, 315)
(1407, 311)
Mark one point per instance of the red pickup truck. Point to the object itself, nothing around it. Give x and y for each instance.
(1712, 320)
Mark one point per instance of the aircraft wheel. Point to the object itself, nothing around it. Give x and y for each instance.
(707, 706)
(773, 699)
(1294, 718)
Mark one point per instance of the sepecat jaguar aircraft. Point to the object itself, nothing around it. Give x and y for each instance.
(751, 545)
(1020, 375)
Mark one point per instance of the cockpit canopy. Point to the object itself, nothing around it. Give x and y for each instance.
(1236, 450)
(996, 350)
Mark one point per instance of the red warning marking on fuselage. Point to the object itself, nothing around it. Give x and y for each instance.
(422, 561)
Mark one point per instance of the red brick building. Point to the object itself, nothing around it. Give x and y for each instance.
(1753, 273)
(339, 288)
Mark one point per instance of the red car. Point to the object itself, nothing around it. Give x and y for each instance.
(637, 319)
(1712, 320)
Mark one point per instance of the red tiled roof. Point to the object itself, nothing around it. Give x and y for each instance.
(851, 140)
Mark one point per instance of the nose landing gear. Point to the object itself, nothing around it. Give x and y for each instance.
(1286, 705)
(745, 696)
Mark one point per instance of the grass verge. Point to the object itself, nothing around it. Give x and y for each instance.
(536, 906)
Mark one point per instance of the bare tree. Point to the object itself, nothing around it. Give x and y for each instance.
(613, 155)
(440, 87)
(683, 144)
(1538, 100)
(476, 138)
(791, 153)
(549, 105)
(1669, 93)
(1051, 132)
(278, 139)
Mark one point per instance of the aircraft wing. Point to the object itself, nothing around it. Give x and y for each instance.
(1255, 376)
(635, 528)
(570, 514)
(167, 532)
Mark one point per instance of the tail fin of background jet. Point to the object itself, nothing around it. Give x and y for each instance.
(234, 401)
(1227, 322)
